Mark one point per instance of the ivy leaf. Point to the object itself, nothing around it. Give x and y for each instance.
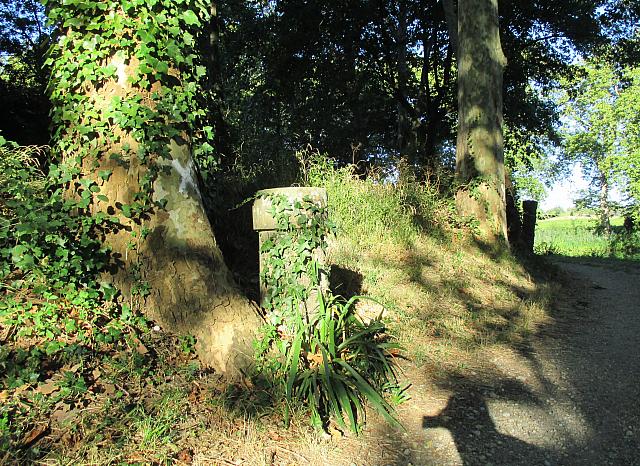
(188, 39)
(126, 210)
(105, 174)
(72, 22)
(110, 70)
(144, 67)
(190, 18)
(146, 37)
(162, 67)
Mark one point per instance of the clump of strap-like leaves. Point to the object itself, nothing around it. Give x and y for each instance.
(326, 355)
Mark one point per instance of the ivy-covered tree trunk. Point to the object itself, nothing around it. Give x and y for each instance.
(479, 148)
(125, 90)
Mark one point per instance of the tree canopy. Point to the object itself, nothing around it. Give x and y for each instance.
(376, 79)
(601, 109)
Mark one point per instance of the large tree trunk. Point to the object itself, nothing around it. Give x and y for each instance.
(165, 261)
(479, 148)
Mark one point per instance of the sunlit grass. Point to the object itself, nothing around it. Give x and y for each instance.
(446, 299)
(572, 236)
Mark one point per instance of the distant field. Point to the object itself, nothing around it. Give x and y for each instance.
(572, 236)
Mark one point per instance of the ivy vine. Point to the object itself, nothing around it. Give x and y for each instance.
(291, 271)
(149, 47)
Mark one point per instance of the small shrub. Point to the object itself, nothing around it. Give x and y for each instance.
(625, 244)
(45, 240)
(56, 319)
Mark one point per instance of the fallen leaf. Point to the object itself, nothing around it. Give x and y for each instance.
(185, 455)
(248, 383)
(109, 388)
(34, 435)
(62, 415)
(70, 439)
(315, 359)
(20, 389)
(75, 368)
(140, 348)
(96, 374)
(48, 387)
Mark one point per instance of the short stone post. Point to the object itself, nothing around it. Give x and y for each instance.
(529, 211)
(265, 225)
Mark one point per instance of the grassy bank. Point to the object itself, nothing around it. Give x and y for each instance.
(445, 294)
(141, 397)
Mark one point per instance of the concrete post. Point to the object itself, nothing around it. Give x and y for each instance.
(265, 225)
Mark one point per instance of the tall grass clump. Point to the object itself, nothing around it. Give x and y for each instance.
(376, 210)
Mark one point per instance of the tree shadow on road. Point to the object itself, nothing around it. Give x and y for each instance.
(477, 439)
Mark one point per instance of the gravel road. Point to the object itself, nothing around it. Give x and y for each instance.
(570, 397)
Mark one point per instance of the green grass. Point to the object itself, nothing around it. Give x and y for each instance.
(375, 211)
(444, 293)
(575, 237)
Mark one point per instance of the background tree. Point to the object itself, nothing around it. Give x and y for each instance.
(627, 164)
(24, 39)
(374, 80)
(595, 127)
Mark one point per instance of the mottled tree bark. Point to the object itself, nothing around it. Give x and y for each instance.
(171, 251)
(479, 148)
